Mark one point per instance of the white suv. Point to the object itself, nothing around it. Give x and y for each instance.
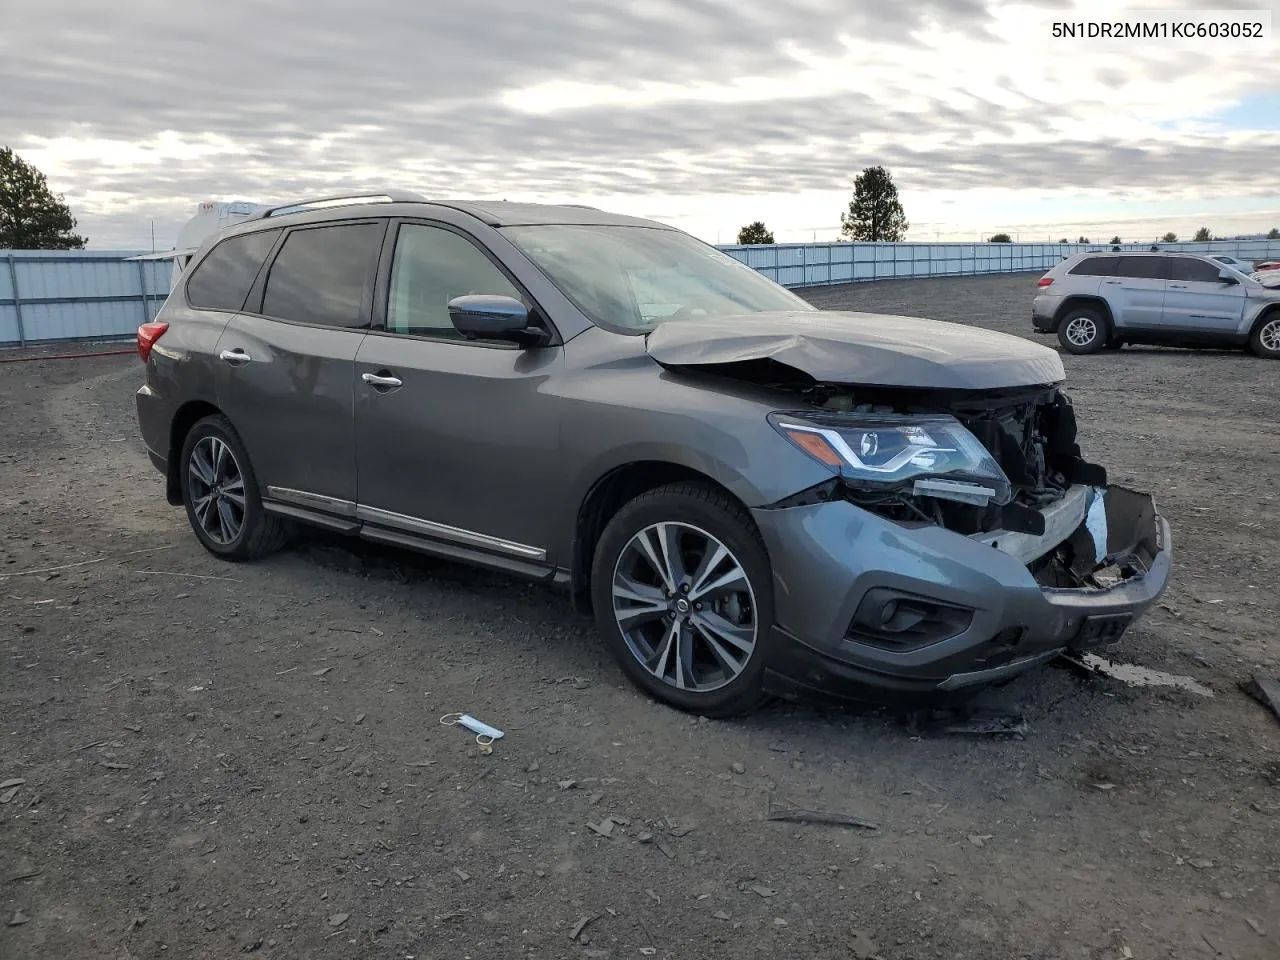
(1095, 301)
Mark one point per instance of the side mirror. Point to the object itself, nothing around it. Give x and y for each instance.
(488, 317)
(1227, 277)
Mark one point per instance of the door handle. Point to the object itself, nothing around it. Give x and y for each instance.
(377, 380)
(1114, 283)
(1177, 286)
(234, 357)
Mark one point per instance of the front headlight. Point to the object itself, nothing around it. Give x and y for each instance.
(934, 454)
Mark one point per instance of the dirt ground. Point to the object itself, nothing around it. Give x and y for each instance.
(220, 759)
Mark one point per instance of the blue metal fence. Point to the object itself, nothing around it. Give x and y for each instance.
(52, 295)
(819, 264)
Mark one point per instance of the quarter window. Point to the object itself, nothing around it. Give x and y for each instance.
(321, 274)
(431, 266)
(1095, 267)
(222, 280)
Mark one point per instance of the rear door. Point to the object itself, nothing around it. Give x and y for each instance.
(1136, 292)
(1197, 301)
(287, 363)
(456, 441)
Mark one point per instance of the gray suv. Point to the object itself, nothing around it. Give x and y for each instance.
(1096, 301)
(752, 496)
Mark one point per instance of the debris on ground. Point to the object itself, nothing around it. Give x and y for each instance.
(462, 874)
(1090, 664)
(722, 915)
(1255, 926)
(987, 724)
(737, 767)
(606, 826)
(338, 919)
(763, 891)
(580, 926)
(9, 789)
(25, 870)
(979, 839)
(792, 815)
(1265, 691)
(18, 919)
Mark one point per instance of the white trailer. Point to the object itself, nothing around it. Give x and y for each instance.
(210, 218)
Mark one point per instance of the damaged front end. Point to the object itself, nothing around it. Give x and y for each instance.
(1002, 467)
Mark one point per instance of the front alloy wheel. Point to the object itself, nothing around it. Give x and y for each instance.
(682, 591)
(684, 606)
(1266, 338)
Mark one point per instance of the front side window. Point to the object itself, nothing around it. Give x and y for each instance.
(630, 279)
(321, 274)
(431, 266)
(1144, 268)
(223, 278)
(1199, 271)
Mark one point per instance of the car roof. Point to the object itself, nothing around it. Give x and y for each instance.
(495, 213)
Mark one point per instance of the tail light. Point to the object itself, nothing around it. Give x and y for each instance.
(1044, 282)
(148, 334)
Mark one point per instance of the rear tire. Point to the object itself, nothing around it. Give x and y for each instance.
(702, 649)
(1265, 339)
(220, 493)
(1083, 330)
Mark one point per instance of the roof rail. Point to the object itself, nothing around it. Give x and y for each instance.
(299, 206)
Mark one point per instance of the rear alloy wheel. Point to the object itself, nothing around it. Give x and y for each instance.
(1083, 330)
(681, 591)
(1265, 339)
(220, 493)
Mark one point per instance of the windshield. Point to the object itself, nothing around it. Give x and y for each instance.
(630, 279)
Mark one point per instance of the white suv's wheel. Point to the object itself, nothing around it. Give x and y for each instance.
(1265, 339)
(1083, 330)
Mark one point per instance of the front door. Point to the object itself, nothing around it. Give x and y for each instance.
(1198, 301)
(286, 365)
(456, 442)
(1136, 292)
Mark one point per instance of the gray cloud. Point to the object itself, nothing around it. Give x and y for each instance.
(285, 83)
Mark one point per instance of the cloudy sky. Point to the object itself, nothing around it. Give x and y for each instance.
(702, 113)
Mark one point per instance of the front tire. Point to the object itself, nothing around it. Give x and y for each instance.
(682, 591)
(220, 493)
(1265, 339)
(1083, 330)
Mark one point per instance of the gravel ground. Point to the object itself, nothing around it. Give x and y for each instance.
(217, 760)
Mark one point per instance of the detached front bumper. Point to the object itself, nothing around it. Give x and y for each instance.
(980, 614)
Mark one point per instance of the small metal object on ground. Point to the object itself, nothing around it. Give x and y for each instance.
(792, 815)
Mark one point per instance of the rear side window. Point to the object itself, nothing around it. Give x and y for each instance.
(1185, 268)
(1095, 267)
(321, 275)
(224, 277)
(1144, 268)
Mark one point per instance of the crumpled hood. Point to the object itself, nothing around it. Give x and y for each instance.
(861, 348)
